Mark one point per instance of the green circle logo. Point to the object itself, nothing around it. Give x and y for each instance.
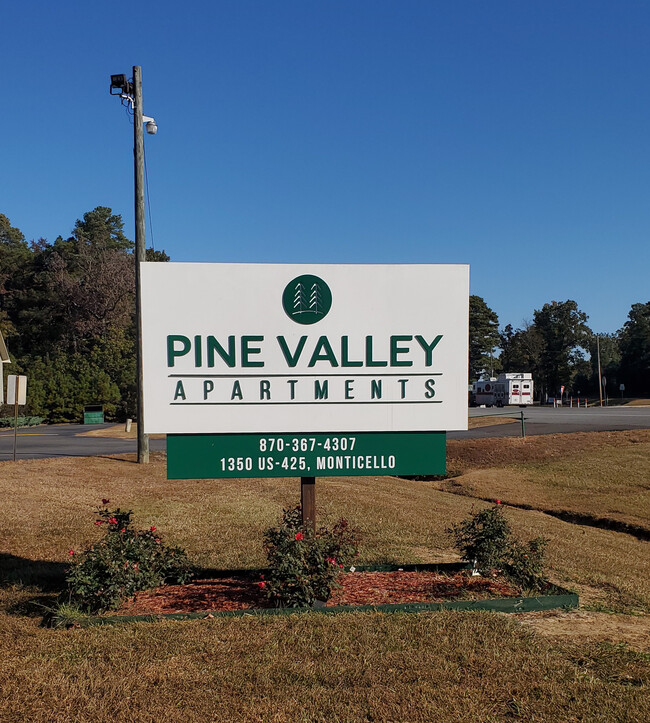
(307, 299)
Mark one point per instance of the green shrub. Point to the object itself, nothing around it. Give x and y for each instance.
(485, 540)
(21, 421)
(525, 564)
(123, 562)
(304, 565)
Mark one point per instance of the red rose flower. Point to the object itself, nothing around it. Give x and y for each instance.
(70, 552)
(123, 529)
(99, 522)
(299, 536)
(498, 502)
(262, 584)
(152, 528)
(112, 521)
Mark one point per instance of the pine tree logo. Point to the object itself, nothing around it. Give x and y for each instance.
(307, 299)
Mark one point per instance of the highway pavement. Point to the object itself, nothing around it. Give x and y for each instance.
(560, 420)
(63, 440)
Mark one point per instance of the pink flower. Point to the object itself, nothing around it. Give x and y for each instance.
(105, 502)
(112, 521)
(99, 522)
(299, 536)
(341, 566)
(498, 502)
(152, 528)
(70, 552)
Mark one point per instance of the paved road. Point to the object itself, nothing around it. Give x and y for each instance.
(547, 420)
(62, 440)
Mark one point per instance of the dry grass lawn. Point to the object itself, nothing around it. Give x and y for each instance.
(604, 475)
(438, 666)
(475, 422)
(117, 431)
(352, 667)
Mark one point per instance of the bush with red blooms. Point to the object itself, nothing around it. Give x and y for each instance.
(123, 562)
(304, 565)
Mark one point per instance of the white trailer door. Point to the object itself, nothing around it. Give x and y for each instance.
(515, 391)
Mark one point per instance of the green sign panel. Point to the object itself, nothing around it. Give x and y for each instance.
(214, 456)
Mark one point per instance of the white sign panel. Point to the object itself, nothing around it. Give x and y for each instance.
(230, 348)
(16, 384)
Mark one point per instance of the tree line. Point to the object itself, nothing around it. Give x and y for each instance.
(67, 316)
(560, 350)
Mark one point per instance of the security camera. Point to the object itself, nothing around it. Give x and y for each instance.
(151, 127)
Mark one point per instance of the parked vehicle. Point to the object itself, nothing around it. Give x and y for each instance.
(507, 389)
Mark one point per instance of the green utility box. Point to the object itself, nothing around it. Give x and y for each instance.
(94, 414)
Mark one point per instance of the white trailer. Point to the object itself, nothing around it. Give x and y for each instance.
(508, 388)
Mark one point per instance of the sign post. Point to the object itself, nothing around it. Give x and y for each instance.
(308, 500)
(16, 394)
(279, 370)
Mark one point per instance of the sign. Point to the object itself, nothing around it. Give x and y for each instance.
(16, 389)
(257, 348)
(621, 387)
(302, 355)
(213, 456)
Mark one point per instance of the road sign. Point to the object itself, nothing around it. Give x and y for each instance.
(16, 389)
(16, 395)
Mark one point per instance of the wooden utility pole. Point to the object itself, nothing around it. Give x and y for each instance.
(138, 157)
(600, 378)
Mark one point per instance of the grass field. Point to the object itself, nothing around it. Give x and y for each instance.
(604, 475)
(584, 665)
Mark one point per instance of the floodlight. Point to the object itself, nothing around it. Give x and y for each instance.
(120, 83)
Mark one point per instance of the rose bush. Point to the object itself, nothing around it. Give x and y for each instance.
(125, 561)
(303, 565)
(485, 540)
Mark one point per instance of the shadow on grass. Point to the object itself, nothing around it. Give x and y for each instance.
(44, 579)
(45, 575)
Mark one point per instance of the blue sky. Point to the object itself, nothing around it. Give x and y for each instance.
(513, 136)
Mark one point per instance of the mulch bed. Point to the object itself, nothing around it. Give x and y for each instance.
(357, 588)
